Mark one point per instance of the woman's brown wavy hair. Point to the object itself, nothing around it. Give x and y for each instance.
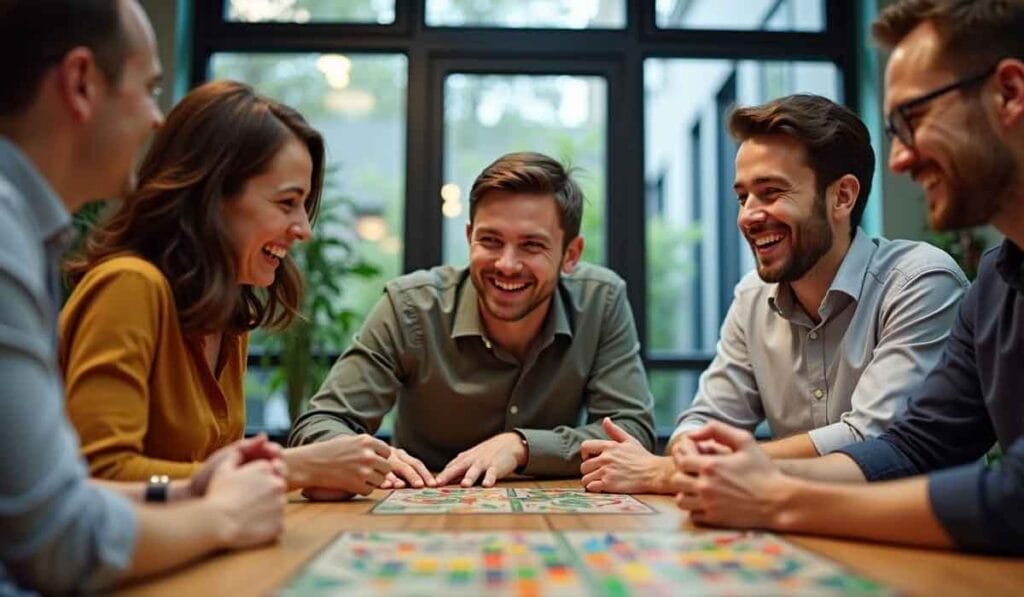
(217, 138)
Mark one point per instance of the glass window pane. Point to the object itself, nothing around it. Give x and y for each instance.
(357, 102)
(695, 254)
(379, 12)
(486, 116)
(673, 391)
(762, 15)
(561, 14)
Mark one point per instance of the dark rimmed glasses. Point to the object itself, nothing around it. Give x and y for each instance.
(898, 121)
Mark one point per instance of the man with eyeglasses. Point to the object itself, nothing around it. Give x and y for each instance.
(955, 101)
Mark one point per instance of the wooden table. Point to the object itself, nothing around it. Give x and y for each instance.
(310, 526)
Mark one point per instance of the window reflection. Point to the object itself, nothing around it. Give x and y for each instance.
(767, 15)
(486, 116)
(380, 12)
(562, 14)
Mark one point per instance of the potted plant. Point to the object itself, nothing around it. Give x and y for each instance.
(301, 355)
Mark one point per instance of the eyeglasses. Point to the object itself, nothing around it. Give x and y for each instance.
(898, 122)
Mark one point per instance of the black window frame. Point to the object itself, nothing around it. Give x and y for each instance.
(616, 54)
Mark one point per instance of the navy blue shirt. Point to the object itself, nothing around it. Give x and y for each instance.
(971, 400)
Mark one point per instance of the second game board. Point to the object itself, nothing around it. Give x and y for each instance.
(458, 500)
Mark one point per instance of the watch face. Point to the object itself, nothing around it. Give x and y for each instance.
(156, 489)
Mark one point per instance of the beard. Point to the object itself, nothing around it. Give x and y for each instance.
(980, 180)
(539, 298)
(815, 239)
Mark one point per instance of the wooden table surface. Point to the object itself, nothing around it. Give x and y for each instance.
(311, 526)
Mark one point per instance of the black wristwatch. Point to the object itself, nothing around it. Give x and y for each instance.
(156, 489)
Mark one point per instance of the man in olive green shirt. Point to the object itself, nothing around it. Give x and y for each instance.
(492, 366)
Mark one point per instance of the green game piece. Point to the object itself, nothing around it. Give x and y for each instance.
(614, 587)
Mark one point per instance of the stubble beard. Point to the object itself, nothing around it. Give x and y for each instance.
(981, 180)
(815, 241)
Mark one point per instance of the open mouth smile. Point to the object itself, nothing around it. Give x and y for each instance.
(765, 243)
(509, 287)
(274, 252)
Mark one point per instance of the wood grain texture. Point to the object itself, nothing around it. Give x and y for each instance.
(311, 526)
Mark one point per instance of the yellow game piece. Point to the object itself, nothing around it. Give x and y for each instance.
(461, 564)
(635, 572)
(425, 565)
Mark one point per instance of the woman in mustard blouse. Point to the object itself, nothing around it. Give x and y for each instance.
(153, 338)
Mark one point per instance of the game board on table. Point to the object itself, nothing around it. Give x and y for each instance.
(614, 564)
(505, 500)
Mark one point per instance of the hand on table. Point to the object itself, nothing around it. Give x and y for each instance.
(738, 488)
(495, 458)
(622, 465)
(248, 498)
(340, 467)
(406, 469)
(242, 451)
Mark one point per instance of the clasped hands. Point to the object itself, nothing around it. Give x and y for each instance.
(718, 473)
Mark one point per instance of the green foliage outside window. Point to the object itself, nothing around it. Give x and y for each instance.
(328, 261)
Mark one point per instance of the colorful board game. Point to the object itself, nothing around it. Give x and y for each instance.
(571, 563)
(476, 500)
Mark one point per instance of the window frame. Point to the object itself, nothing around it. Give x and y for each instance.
(616, 54)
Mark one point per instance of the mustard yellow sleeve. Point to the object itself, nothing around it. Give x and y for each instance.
(108, 338)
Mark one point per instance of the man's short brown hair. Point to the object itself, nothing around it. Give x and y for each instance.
(36, 34)
(975, 33)
(836, 141)
(533, 174)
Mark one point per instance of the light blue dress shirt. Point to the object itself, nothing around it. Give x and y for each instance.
(883, 324)
(60, 533)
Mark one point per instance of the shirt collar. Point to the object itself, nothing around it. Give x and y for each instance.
(51, 217)
(1010, 265)
(467, 313)
(849, 278)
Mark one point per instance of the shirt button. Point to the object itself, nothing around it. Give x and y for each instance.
(813, 335)
(818, 393)
(513, 409)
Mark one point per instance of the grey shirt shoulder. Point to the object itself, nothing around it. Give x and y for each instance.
(880, 328)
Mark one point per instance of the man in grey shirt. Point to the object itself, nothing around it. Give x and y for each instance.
(492, 366)
(75, 107)
(827, 338)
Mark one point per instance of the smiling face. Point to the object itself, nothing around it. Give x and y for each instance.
(781, 214)
(963, 165)
(269, 215)
(516, 256)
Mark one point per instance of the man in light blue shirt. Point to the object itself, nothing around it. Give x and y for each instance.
(76, 104)
(826, 338)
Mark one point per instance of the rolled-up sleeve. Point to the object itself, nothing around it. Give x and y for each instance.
(914, 324)
(980, 506)
(946, 429)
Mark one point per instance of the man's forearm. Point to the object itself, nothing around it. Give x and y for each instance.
(838, 468)
(795, 446)
(135, 491)
(891, 512)
(172, 535)
(314, 427)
